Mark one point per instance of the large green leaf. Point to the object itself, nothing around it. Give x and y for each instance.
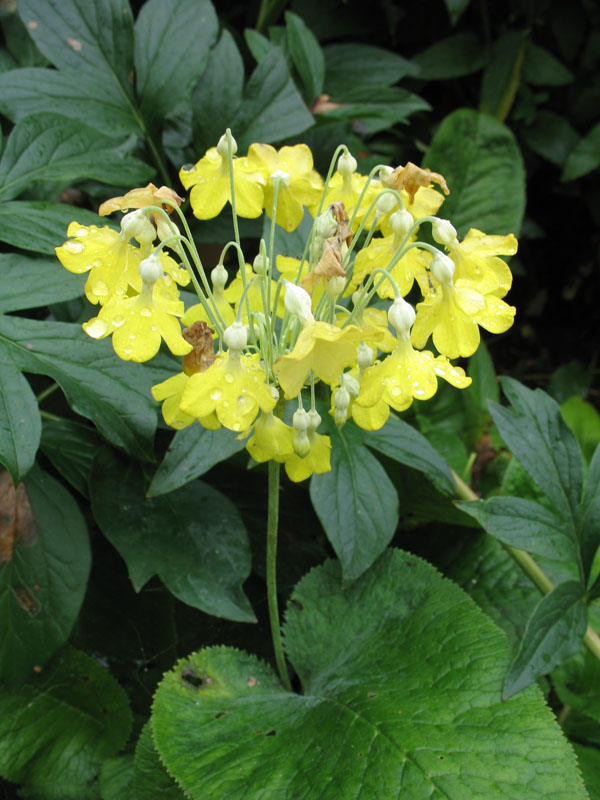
(584, 157)
(20, 422)
(553, 633)
(40, 226)
(401, 680)
(164, 31)
(192, 452)
(150, 780)
(57, 729)
(356, 502)
(114, 394)
(193, 539)
(350, 65)
(458, 55)
(50, 147)
(502, 74)
(551, 136)
(482, 164)
(71, 448)
(306, 54)
(34, 89)
(541, 68)
(35, 283)
(115, 778)
(43, 576)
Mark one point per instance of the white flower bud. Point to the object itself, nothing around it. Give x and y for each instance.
(358, 296)
(218, 277)
(165, 228)
(341, 403)
(386, 203)
(401, 222)
(349, 382)
(364, 356)
(442, 268)
(326, 225)
(314, 420)
(402, 316)
(301, 443)
(223, 147)
(444, 232)
(346, 164)
(236, 337)
(300, 420)
(151, 269)
(260, 264)
(297, 301)
(283, 177)
(136, 224)
(335, 286)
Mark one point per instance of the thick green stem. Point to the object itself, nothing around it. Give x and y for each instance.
(591, 639)
(272, 526)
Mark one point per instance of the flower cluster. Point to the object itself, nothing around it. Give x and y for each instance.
(336, 317)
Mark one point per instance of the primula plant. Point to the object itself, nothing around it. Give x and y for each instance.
(254, 380)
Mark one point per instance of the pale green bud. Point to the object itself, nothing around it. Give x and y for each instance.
(442, 268)
(260, 264)
(297, 301)
(223, 147)
(326, 225)
(444, 232)
(151, 269)
(137, 225)
(386, 203)
(401, 222)
(346, 164)
(402, 316)
(236, 337)
(364, 356)
(219, 277)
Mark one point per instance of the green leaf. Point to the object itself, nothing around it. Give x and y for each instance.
(376, 111)
(19, 43)
(356, 502)
(71, 448)
(584, 157)
(20, 422)
(541, 68)
(569, 380)
(50, 147)
(589, 763)
(502, 74)
(584, 421)
(307, 56)
(272, 108)
(401, 662)
(577, 680)
(192, 452)
(525, 525)
(481, 161)
(458, 55)
(551, 136)
(93, 41)
(258, 44)
(35, 283)
(32, 90)
(218, 94)
(193, 539)
(164, 30)
(114, 394)
(150, 779)
(400, 441)
(553, 633)
(57, 729)
(538, 436)
(43, 577)
(348, 66)
(40, 226)
(455, 9)
(589, 518)
(115, 778)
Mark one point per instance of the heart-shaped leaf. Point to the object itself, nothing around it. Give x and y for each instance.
(401, 680)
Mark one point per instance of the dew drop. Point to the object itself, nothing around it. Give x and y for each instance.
(418, 392)
(236, 426)
(229, 377)
(154, 328)
(146, 312)
(128, 350)
(100, 289)
(74, 247)
(118, 321)
(81, 232)
(215, 394)
(225, 403)
(132, 336)
(97, 262)
(96, 328)
(396, 391)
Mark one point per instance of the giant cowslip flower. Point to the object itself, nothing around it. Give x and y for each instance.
(379, 253)
(234, 387)
(271, 439)
(299, 184)
(316, 461)
(453, 311)
(322, 348)
(211, 185)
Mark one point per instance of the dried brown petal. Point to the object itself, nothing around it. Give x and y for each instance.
(200, 336)
(140, 198)
(329, 266)
(344, 234)
(411, 178)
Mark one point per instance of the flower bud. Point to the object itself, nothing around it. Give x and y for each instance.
(341, 403)
(314, 420)
(236, 337)
(151, 269)
(349, 382)
(346, 165)
(386, 203)
(223, 146)
(444, 232)
(283, 177)
(442, 268)
(364, 356)
(402, 316)
(297, 301)
(260, 264)
(218, 277)
(165, 228)
(300, 420)
(136, 224)
(300, 440)
(401, 222)
(326, 225)
(335, 286)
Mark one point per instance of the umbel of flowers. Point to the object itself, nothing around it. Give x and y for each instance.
(336, 317)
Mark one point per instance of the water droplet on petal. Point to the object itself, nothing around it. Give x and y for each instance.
(82, 232)
(100, 289)
(154, 328)
(396, 391)
(225, 403)
(128, 350)
(118, 321)
(418, 392)
(98, 262)
(74, 247)
(215, 394)
(236, 426)
(132, 336)
(96, 328)
(229, 377)
(146, 312)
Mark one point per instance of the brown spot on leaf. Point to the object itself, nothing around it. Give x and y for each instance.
(17, 520)
(323, 104)
(252, 682)
(32, 25)
(75, 44)
(30, 604)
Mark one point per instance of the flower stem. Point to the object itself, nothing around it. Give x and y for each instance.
(272, 526)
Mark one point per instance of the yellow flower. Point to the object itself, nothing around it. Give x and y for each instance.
(322, 348)
(347, 189)
(141, 198)
(425, 203)
(212, 187)
(234, 387)
(299, 184)
(476, 260)
(271, 439)
(170, 392)
(234, 291)
(405, 375)
(379, 253)
(317, 460)
(138, 323)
